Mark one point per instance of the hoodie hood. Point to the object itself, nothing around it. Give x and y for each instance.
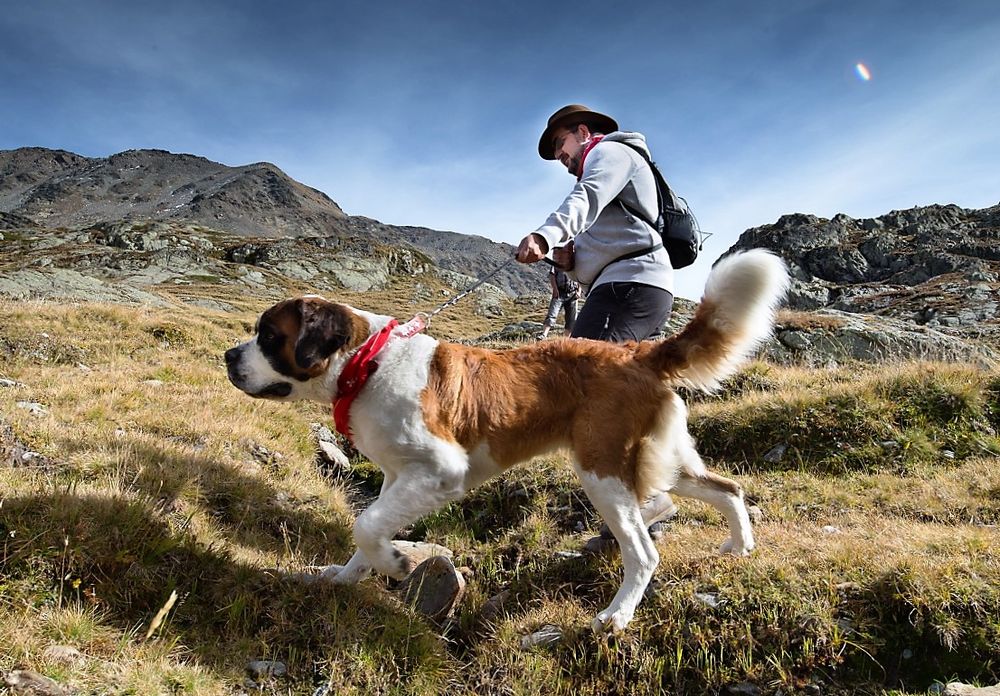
(637, 139)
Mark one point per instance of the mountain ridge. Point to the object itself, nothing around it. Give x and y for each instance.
(143, 218)
(58, 188)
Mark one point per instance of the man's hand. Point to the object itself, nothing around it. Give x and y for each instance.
(532, 249)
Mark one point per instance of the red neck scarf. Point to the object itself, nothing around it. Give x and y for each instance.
(590, 146)
(356, 372)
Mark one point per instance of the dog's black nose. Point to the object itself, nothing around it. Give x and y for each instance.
(232, 355)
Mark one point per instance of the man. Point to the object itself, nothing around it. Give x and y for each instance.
(592, 235)
(602, 245)
(565, 294)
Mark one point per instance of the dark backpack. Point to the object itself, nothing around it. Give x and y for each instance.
(676, 224)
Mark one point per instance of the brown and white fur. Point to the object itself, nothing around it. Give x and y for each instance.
(439, 418)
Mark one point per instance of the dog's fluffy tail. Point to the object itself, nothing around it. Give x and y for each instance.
(735, 316)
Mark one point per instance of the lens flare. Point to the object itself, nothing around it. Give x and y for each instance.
(863, 71)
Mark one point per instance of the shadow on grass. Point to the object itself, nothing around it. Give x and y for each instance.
(117, 556)
(246, 508)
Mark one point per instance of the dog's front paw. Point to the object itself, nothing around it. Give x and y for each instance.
(346, 575)
(736, 547)
(611, 622)
(337, 574)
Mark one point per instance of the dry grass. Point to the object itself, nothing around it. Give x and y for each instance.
(808, 321)
(158, 476)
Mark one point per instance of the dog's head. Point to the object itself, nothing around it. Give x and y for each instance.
(295, 342)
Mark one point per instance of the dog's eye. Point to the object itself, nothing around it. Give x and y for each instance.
(266, 335)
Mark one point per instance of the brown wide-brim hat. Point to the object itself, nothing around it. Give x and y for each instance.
(574, 113)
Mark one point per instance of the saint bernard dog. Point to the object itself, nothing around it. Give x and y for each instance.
(440, 418)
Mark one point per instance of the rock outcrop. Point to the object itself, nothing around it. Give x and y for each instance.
(936, 266)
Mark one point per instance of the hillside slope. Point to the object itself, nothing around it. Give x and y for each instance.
(131, 470)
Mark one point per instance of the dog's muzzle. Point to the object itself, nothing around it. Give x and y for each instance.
(233, 366)
(233, 358)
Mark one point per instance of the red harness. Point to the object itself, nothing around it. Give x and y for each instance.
(362, 365)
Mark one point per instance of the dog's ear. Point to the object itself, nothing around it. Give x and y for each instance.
(325, 328)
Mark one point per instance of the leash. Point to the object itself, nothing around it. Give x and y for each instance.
(421, 320)
(459, 296)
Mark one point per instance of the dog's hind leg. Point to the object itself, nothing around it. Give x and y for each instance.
(724, 494)
(617, 504)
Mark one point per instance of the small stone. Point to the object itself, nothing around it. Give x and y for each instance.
(598, 545)
(62, 654)
(848, 587)
(494, 606)
(33, 407)
(434, 588)
(756, 514)
(776, 454)
(709, 598)
(960, 689)
(153, 382)
(546, 635)
(420, 551)
(9, 383)
(889, 444)
(266, 669)
(23, 681)
(567, 555)
(947, 454)
(830, 529)
(743, 689)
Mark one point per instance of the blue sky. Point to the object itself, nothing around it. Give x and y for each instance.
(428, 113)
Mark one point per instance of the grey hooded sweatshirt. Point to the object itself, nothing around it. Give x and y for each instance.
(601, 228)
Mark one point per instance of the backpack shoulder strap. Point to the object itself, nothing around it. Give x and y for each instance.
(661, 183)
(658, 181)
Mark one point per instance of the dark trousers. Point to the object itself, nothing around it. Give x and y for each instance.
(619, 312)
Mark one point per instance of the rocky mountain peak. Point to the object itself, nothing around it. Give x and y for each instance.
(67, 190)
